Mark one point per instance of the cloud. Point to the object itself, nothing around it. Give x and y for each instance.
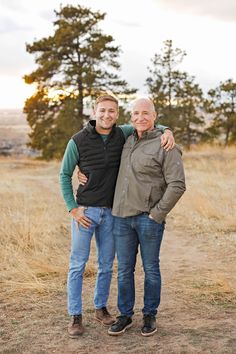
(222, 10)
(14, 5)
(8, 25)
(127, 24)
(47, 15)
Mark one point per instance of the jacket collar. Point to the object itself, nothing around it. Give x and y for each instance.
(149, 134)
(91, 127)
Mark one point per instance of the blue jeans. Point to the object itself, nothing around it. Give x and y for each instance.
(101, 225)
(130, 232)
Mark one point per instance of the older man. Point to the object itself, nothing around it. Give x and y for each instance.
(150, 182)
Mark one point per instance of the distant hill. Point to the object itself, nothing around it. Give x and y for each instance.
(12, 117)
(14, 133)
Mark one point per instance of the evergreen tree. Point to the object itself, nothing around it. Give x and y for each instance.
(162, 81)
(189, 111)
(177, 98)
(221, 103)
(76, 63)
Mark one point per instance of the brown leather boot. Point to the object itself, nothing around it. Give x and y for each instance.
(104, 317)
(75, 327)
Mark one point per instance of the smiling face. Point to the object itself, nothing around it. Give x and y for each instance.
(106, 115)
(143, 115)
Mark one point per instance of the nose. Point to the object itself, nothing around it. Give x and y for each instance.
(139, 116)
(106, 114)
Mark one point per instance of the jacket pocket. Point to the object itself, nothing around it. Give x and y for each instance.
(155, 195)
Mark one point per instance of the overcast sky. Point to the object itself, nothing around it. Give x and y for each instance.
(206, 30)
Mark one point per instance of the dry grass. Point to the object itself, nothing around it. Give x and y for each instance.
(208, 206)
(215, 292)
(34, 229)
(206, 289)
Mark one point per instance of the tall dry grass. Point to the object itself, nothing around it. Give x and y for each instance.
(34, 236)
(209, 206)
(35, 227)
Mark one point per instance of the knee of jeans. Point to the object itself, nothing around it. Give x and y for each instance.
(78, 263)
(76, 270)
(105, 267)
(125, 270)
(152, 269)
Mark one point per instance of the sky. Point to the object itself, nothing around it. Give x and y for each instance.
(206, 30)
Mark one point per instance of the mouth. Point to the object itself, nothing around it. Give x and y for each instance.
(108, 120)
(140, 124)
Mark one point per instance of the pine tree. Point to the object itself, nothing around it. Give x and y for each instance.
(221, 103)
(162, 81)
(77, 63)
(189, 111)
(177, 98)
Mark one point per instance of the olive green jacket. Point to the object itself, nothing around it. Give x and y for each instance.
(150, 179)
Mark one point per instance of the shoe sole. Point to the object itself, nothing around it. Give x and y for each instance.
(121, 332)
(76, 336)
(104, 324)
(149, 334)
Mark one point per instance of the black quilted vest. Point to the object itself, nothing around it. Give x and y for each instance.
(100, 162)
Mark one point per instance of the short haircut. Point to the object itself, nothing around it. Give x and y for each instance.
(106, 98)
(146, 99)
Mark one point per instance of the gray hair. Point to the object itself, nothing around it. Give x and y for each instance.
(133, 103)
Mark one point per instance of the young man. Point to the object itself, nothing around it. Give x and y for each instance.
(149, 184)
(96, 149)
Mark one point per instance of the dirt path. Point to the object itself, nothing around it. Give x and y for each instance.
(197, 313)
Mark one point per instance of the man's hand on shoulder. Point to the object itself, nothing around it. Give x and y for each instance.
(167, 140)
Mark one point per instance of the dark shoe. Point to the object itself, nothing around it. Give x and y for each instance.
(149, 325)
(120, 326)
(75, 327)
(103, 316)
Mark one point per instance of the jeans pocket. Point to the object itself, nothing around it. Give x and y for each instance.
(161, 224)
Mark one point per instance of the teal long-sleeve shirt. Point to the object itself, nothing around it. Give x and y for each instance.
(70, 161)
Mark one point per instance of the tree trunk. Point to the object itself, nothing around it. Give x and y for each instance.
(80, 100)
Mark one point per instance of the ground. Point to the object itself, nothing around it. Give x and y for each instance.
(189, 320)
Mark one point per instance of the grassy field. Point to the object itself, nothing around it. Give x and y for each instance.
(35, 230)
(35, 236)
(209, 204)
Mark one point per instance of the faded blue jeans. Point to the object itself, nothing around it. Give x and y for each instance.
(130, 232)
(101, 225)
